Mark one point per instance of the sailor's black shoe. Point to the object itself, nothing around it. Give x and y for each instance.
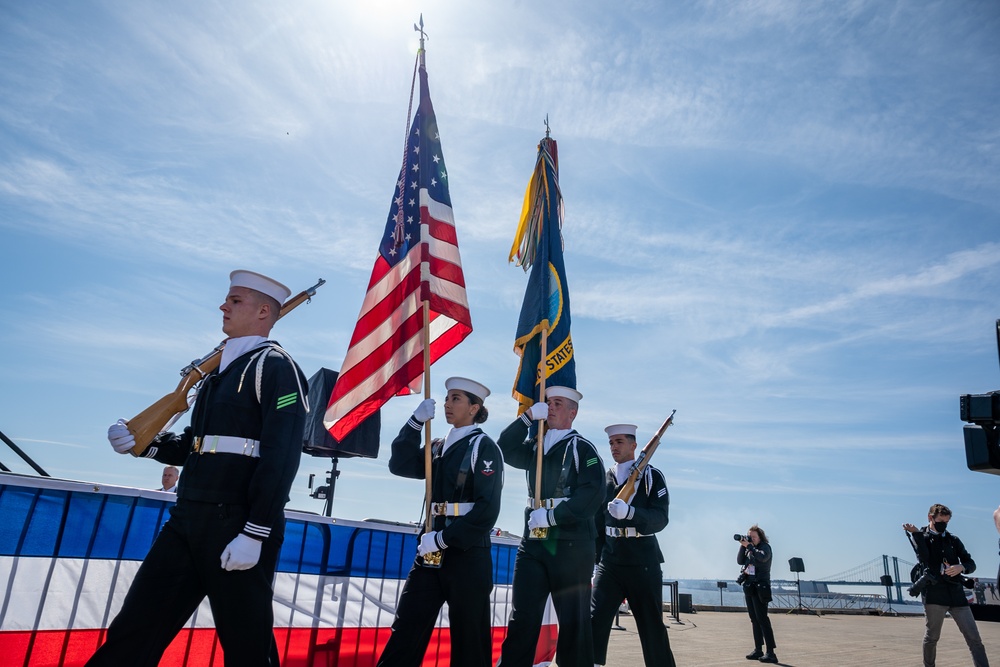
(756, 654)
(768, 657)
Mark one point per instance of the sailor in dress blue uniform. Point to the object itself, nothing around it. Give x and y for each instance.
(466, 482)
(629, 554)
(240, 455)
(562, 563)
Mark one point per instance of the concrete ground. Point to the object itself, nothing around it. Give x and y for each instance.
(716, 638)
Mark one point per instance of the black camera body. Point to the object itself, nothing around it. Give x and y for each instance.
(981, 412)
(742, 579)
(923, 581)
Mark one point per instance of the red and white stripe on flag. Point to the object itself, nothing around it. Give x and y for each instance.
(418, 259)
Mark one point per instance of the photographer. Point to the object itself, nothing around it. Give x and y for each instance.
(755, 557)
(941, 562)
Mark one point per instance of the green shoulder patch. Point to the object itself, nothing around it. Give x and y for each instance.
(593, 462)
(288, 399)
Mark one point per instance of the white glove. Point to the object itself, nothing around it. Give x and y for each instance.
(424, 411)
(539, 518)
(430, 542)
(538, 411)
(619, 509)
(121, 440)
(241, 554)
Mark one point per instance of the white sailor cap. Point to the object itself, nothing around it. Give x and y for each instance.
(465, 384)
(261, 283)
(621, 429)
(565, 392)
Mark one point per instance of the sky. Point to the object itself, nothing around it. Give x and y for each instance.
(782, 220)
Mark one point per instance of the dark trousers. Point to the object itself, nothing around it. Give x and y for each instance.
(762, 633)
(464, 581)
(562, 568)
(181, 569)
(642, 586)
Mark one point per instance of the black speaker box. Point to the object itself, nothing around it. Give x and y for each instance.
(362, 441)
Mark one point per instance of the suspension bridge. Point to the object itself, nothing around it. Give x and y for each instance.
(885, 571)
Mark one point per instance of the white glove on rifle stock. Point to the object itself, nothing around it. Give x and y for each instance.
(121, 440)
(619, 509)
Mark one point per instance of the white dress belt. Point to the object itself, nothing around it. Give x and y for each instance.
(547, 503)
(628, 531)
(227, 444)
(451, 509)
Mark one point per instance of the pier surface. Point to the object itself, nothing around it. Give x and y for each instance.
(716, 638)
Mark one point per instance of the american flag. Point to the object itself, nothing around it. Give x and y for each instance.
(418, 260)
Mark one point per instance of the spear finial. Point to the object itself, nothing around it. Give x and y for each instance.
(546, 126)
(420, 28)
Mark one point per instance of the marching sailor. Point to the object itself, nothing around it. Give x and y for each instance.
(240, 455)
(466, 482)
(629, 554)
(562, 562)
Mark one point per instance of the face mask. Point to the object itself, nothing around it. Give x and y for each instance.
(940, 526)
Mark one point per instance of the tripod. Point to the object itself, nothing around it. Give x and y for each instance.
(886, 581)
(801, 609)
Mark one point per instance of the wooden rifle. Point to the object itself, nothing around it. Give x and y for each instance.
(639, 465)
(150, 422)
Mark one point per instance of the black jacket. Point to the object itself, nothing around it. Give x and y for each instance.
(481, 485)
(933, 551)
(651, 503)
(227, 405)
(583, 485)
(760, 557)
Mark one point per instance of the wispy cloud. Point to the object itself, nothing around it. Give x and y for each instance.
(780, 221)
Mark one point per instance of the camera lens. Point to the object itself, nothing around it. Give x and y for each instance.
(738, 537)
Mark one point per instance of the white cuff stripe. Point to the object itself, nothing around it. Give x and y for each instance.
(414, 424)
(254, 529)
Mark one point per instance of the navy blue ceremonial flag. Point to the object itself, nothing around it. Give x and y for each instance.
(539, 249)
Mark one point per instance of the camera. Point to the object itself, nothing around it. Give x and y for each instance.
(981, 412)
(926, 579)
(742, 579)
(740, 538)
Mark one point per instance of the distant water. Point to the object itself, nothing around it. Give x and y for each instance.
(706, 592)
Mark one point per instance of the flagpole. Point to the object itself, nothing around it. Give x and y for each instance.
(427, 424)
(541, 399)
(432, 559)
(542, 532)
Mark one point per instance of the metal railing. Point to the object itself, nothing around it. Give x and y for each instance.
(857, 601)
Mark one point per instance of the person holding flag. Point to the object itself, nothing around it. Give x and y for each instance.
(467, 478)
(564, 471)
(415, 311)
(560, 564)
